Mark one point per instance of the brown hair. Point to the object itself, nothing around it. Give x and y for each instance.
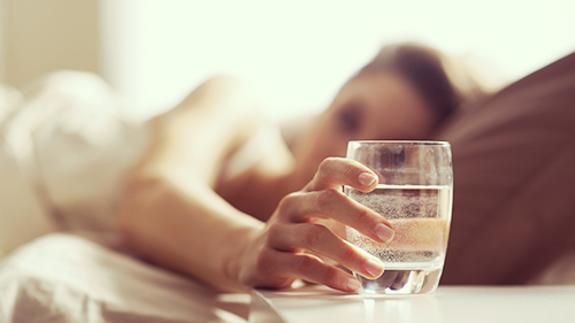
(434, 77)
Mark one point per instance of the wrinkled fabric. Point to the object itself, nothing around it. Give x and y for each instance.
(67, 278)
(65, 147)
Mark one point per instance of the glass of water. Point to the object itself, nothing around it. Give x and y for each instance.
(414, 193)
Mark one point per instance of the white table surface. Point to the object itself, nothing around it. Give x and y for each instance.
(447, 304)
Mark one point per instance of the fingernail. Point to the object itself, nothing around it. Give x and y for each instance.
(384, 232)
(366, 179)
(374, 268)
(353, 284)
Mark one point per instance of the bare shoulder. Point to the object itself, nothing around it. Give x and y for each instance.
(222, 92)
(220, 102)
(222, 82)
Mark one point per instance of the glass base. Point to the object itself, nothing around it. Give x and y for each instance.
(402, 282)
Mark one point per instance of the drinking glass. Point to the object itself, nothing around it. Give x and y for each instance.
(414, 193)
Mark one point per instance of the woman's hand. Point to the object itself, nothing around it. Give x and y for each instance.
(292, 245)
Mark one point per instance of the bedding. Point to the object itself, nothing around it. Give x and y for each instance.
(80, 278)
(514, 206)
(22, 216)
(64, 148)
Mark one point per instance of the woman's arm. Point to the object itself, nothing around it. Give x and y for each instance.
(169, 212)
(185, 226)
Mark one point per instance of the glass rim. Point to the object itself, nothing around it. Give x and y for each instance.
(402, 142)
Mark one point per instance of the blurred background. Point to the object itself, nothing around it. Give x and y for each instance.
(295, 53)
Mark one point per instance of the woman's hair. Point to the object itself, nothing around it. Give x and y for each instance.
(444, 87)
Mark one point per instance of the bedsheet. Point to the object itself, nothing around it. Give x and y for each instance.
(73, 278)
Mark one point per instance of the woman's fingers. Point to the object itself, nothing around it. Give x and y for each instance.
(319, 240)
(291, 231)
(312, 269)
(277, 269)
(334, 172)
(300, 207)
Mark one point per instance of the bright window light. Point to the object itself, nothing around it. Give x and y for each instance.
(297, 53)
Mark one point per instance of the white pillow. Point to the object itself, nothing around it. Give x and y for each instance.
(22, 215)
(64, 149)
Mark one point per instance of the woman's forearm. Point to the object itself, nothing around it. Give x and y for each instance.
(185, 226)
(169, 211)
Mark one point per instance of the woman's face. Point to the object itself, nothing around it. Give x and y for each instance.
(371, 106)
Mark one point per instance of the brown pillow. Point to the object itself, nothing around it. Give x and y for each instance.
(514, 173)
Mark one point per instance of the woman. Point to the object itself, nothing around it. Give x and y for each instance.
(186, 208)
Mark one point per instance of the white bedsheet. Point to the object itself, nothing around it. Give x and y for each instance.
(67, 278)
